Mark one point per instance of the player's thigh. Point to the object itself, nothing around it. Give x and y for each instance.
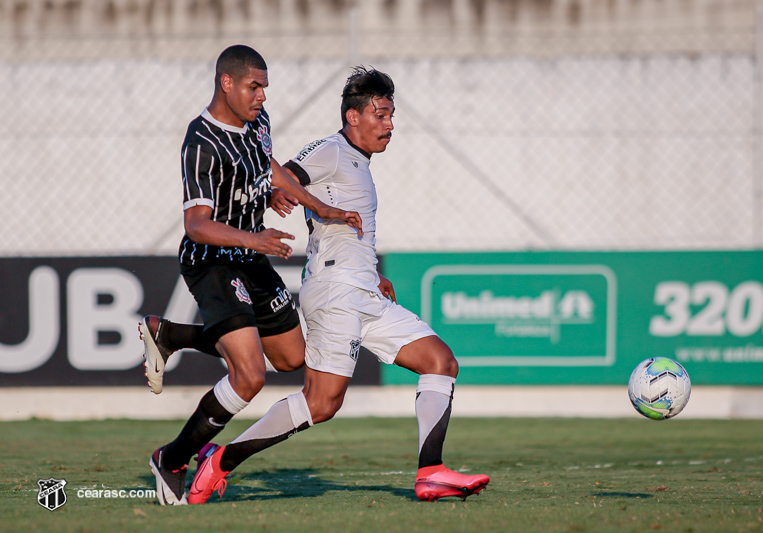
(428, 355)
(399, 336)
(334, 323)
(286, 351)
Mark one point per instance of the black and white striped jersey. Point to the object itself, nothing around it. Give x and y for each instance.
(228, 169)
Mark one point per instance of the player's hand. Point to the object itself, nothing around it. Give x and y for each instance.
(386, 288)
(268, 242)
(351, 218)
(282, 202)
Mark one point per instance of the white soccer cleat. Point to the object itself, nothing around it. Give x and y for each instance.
(155, 353)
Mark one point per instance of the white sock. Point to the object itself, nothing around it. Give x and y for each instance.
(433, 403)
(227, 397)
(283, 417)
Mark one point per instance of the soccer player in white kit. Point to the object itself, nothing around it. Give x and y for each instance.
(347, 304)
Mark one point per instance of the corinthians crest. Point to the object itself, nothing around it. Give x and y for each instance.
(241, 293)
(51, 495)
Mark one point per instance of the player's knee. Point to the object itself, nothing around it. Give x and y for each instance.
(325, 411)
(448, 367)
(247, 386)
(445, 363)
(452, 366)
(289, 365)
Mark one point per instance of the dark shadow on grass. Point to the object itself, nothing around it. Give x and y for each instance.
(297, 483)
(287, 483)
(622, 495)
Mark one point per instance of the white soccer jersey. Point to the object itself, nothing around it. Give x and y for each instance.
(337, 172)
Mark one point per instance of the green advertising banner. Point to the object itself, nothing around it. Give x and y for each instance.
(585, 318)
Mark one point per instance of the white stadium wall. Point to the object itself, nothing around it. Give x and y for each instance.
(519, 125)
(565, 153)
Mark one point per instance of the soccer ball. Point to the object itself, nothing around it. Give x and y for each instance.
(659, 388)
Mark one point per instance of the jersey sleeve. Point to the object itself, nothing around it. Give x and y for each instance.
(201, 171)
(316, 162)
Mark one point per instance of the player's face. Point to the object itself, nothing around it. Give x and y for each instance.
(375, 125)
(247, 94)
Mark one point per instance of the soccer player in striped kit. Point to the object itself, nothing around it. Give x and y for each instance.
(249, 316)
(347, 304)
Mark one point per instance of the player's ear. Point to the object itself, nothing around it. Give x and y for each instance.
(226, 83)
(353, 117)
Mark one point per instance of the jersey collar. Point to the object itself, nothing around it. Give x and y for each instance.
(206, 115)
(346, 138)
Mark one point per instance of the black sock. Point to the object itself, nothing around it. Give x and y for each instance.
(208, 420)
(180, 336)
(238, 452)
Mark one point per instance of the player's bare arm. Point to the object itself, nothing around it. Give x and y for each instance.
(282, 202)
(283, 178)
(200, 227)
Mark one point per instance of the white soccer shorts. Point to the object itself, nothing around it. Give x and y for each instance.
(340, 318)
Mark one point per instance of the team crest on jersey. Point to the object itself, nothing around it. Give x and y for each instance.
(264, 137)
(51, 494)
(241, 292)
(354, 349)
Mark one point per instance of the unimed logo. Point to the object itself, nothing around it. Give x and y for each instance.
(504, 315)
(548, 308)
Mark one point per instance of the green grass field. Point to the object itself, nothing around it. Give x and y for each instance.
(357, 475)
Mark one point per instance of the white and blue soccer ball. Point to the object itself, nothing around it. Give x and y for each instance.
(659, 388)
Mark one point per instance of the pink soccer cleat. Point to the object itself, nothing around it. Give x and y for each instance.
(435, 482)
(209, 476)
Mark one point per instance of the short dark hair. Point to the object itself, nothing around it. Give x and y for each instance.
(362, 86)
(236, 61)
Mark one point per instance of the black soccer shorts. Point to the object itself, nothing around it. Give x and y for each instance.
(236, 294)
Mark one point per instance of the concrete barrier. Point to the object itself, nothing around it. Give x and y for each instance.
(96, 403)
